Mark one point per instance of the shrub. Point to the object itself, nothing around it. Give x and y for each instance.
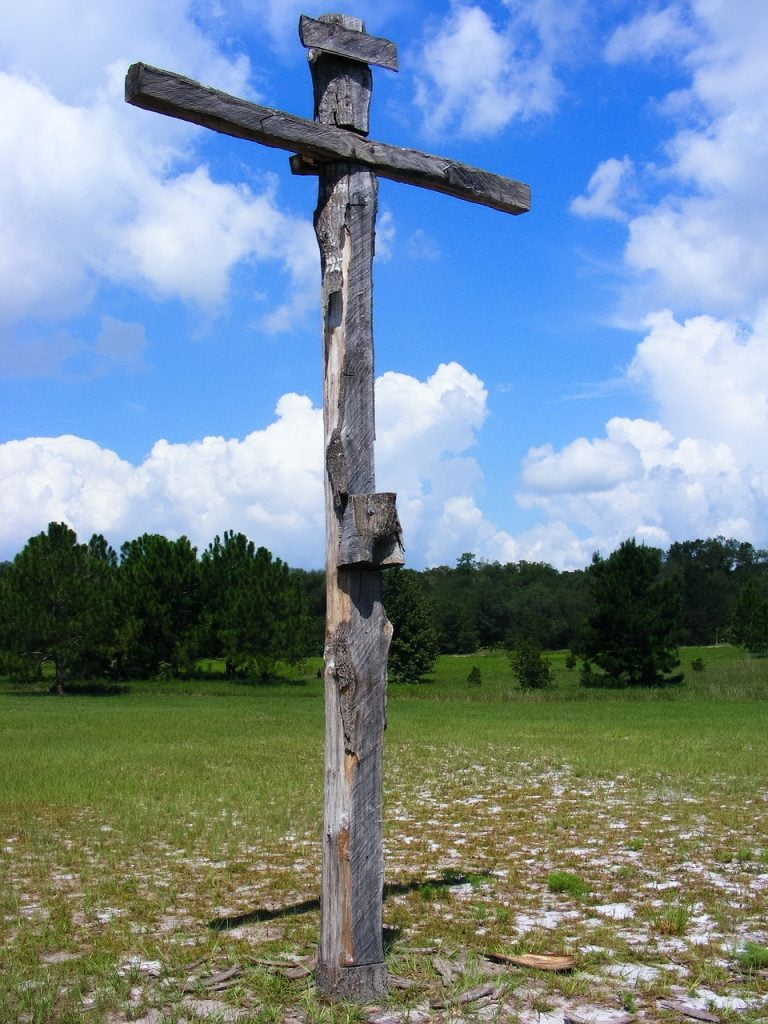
(530, 666)
(564, 881)
(753, 957)
(672, 920)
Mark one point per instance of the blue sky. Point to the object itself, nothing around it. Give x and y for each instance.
(547, 385)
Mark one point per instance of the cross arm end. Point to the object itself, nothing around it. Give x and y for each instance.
(332, 37)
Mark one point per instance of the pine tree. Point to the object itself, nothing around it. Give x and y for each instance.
(57, 605)
(255, 608)
(629, 640)
(159, 598)
(749, 628)
(530, 666)
(413, 651)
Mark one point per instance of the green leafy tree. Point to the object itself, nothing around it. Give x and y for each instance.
(159, 600)
(630, 640)
(487, 604)
(57, 604)
(530, 666)
(313, 587)
(414, 648)
(453, 594)
(749, 627)
(255, 607)
(711, 575)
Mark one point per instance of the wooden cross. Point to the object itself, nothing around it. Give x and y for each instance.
(362, 529)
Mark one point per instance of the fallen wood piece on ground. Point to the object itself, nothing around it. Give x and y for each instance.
(596, 1016)
(296, 972)
(541, 961)
(213, 981)
(688, 1010)
(470, 996)
(396, 981)
(447, 970)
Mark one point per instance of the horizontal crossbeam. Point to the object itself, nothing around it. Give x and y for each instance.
(168, 93)
(331, 37)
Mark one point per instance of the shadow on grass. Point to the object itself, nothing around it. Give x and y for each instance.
(95, 689)
(257, 682)
(428, 884)
(69, 690)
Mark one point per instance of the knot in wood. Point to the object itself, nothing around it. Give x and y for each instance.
(340, 663)
(371, 536)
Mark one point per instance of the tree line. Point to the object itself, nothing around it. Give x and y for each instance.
(623, 617)
(718, 584)
(154, 610)
(157, 607)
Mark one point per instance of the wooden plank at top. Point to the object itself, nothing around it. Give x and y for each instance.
(168, 93)
(344, 42)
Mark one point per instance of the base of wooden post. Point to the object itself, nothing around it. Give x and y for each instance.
(363, 983)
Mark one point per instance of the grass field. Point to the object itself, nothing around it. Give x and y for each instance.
(159, 850)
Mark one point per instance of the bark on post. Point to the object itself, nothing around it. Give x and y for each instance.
(351, 956)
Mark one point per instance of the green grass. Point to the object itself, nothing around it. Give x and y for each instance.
(673, 920)
(753, 957)
(129, 824)
(728, 672)
(151, 754)
(567, 883)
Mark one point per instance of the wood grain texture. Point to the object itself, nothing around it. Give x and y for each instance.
(168, 93)
(371, 537)
(350, 960)
(351, 955)
(333, 37)
(342, 91)
(361, 526)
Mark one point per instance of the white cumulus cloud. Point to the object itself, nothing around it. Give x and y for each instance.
(700, 245)
(651, 34)
(268, 484)
(699, 471)
(424, 429)
(478, 75)
(708, 378)
(597, 465)
(101, 193)
(603, 197)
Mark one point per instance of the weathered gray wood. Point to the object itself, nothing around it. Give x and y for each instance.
(351, 954)
(332, 37)
(168, 93)
(362, 527)
(371, 537)
(342, 88)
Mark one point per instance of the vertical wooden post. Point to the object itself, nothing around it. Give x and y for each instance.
(351, 957)
(363, 532)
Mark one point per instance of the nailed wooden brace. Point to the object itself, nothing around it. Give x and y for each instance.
(333, 37)
(371, 537)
